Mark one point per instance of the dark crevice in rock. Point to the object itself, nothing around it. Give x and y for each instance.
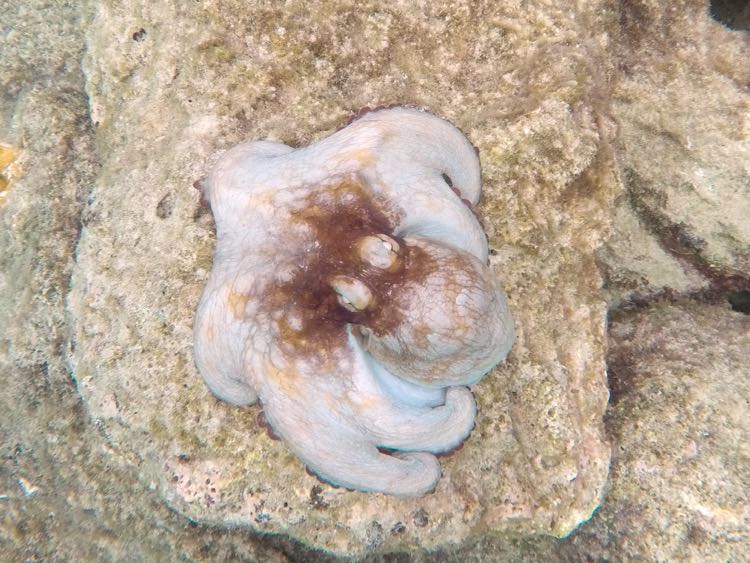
(740, 301)
(77, 225)
(86, 129)
(686, 248)
(676, 238)
(735, 14)
(621, 365)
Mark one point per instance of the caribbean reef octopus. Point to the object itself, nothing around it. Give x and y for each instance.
(350, 295)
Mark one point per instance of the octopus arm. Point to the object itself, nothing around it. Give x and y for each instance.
(343, 454)
(432, 429)
(335, 422)
(399, 419)
(232, 389)
(215, 354)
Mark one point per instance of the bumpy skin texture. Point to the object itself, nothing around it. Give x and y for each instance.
(350, 295)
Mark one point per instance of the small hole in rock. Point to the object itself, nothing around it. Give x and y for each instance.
(139, 35)
(165, 206)
(421, 518)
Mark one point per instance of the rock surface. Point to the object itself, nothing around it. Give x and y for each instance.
(63, 495)
(229, 71)
(622, 119)
(680, 380)
(681, 225)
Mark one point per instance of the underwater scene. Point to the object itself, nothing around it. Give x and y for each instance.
(319, 281)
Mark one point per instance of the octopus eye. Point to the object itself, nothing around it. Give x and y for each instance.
(353, 295)
(380, 251)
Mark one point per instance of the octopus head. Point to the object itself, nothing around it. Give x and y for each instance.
(440, 315)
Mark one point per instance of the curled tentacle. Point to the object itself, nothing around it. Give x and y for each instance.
(431, 429)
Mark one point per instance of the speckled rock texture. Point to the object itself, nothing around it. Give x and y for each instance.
(680, 380)
(614, 144)
(63, 495)
(213, 74)
(681, 225)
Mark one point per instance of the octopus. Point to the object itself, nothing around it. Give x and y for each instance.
(350, 296)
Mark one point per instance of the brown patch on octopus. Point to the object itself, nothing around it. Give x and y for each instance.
(237, 303)
(314, 322)
(420, 333)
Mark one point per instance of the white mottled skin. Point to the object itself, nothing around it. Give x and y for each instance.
(335, 407)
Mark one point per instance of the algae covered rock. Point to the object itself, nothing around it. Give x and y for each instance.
(681, 103)
(173, 86)
(680, 422)
(62, 497)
